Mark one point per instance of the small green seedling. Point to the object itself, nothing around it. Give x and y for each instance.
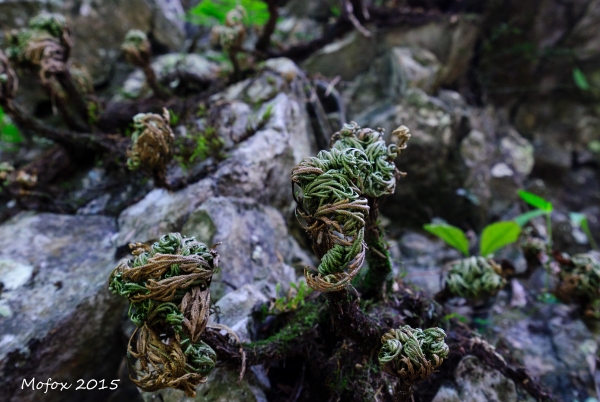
(475, 278)
(544, 208)
(493, 237)
(292, 300)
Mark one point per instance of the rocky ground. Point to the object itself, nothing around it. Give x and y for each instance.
(488, 93)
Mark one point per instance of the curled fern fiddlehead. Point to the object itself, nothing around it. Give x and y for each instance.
(46, 44)
(152, 143)
(579, 280)
(474, 278)
(167, 285)
(412, 354)
(333, 207)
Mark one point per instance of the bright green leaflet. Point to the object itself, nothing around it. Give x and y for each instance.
(498, 235)
(535, 201)
(10, 136)
(452, 235)
(580, 80)
(209, 12)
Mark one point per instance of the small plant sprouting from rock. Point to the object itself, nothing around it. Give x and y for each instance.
(46, 45)
(411, 355)
(475, 278)
(136, 48)
(152, 145)
(333, 207)
(294, 298)
(168, 287)
(579, 280)
(231, 36)
(579, 275)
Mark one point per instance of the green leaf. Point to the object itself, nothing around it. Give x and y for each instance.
(527, 216)
(498, 235)
(211, 12)
(535, 200)
(580, 80)
(452, 235)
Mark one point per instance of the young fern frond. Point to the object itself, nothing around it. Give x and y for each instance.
(333, 207)
(167, 285)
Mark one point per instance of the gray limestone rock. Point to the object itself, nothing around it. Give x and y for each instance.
(552, 344)
(254, 240)
(57, 317)
(475, 382)
(422, 259)
(171, 71)
(222, 386)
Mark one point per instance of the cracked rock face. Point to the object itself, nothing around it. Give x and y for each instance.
(475, 382)
(552, 343)
(57, 317)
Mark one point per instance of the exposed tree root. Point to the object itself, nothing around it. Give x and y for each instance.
(340, 342)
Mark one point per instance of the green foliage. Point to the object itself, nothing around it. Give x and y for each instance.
(256, 123)
(493, 237)
(412, 354)
(305, 320)
(594, 146)
(174, 118)
(545, 207)
(208, 144)
(498, 235)
(294, 299)
(474, 278)
(547, 298)
(93, 113)
(167, 286)
(334, 189)
(536, 201)
(452, 235)
(211, 12)
(580, 80)
(459, 317)
(10, 136)
(579, 220)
